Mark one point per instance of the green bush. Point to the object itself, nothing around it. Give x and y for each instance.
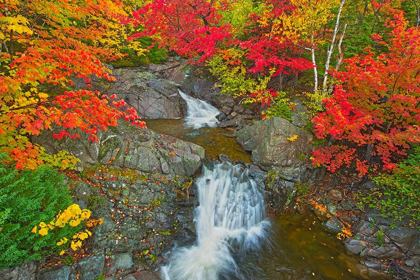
(398, 194)
(281, 108)
(26, 199)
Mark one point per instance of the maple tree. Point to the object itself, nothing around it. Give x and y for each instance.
(376, 103)
(43, 46)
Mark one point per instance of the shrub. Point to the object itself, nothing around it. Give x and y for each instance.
(399, 193)
(28, 198)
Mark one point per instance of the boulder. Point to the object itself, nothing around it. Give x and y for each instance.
(152, 97)
(127, 146)
(90, 268)
(62, 272)
(25, 271)
(272, 150)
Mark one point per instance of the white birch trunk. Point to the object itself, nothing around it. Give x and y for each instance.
(331, 49)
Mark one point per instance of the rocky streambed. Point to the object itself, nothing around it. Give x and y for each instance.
(139, 182)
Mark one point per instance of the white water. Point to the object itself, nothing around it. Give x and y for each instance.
(200, 113)
(230, 219)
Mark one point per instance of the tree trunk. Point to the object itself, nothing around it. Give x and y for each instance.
(331, 49)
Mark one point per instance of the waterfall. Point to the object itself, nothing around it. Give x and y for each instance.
(230, 220)
(200, 113)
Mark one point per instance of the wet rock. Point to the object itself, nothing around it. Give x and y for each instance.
(347, 206)
(90, 268)
(224, 158)
(332, 209)
(25, 271)
(356, 246)
(54, 273)
(221, 116)
(118, 262)
(409, 263)
(271, 150)
(130, 147)
(152, 97)
(384, 251)
(333, 225)
(143, 275)
(403, 235)
(321, 214)
(335, 195)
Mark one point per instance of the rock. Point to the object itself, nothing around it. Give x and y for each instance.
(130, 147)
(153, 98)
(63, 272)
(321, 214)
(143, 275)
(403, 235)
(271, 150)
(90, 268)
(333, 225)
(384, 251)
(409, 263)
(221, 116)
(24, 271)
(118, 262)
(335, 195)
(356, 246)
(223, 157)
(332, 209)
(347, 206)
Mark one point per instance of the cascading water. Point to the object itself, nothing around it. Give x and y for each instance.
(230, 220)
(200, 113)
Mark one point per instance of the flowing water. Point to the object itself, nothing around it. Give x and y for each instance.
(234, 238)
(230, 221)
(200, 113)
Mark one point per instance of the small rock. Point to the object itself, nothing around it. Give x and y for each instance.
(59, 272)
(356, 246)
(143, 275)
(118, 262)
(335, 195)
(409, 263)
(223, 157)
(333, 224)
(90, 268)
(346, 205)
(332, 209)
(321, 214)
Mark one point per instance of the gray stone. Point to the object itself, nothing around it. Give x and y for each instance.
(403, 235)
(356, 246)
(335, 195)
(24, 271)
(118, 262)
(332, 209)
(333, 225)
(130, 147)
(56, 273)
(347, 206)
(143, 275)
(91, 267)
(409, 263)
(271, 149)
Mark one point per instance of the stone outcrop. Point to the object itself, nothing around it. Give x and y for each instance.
(127, 146)
(152, 97)
(276, 144)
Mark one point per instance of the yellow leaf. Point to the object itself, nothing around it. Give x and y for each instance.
(34, 229)
(293, 138)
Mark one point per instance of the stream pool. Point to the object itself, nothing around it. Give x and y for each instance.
(298, 246)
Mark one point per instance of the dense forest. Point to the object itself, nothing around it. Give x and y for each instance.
(355, 65)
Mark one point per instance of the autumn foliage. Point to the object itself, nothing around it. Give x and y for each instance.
(44, 45)
(375, 105)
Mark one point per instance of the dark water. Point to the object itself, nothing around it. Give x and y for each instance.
(298, 248)
(214, 140)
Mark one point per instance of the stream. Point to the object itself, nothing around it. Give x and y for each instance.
(235, 238)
